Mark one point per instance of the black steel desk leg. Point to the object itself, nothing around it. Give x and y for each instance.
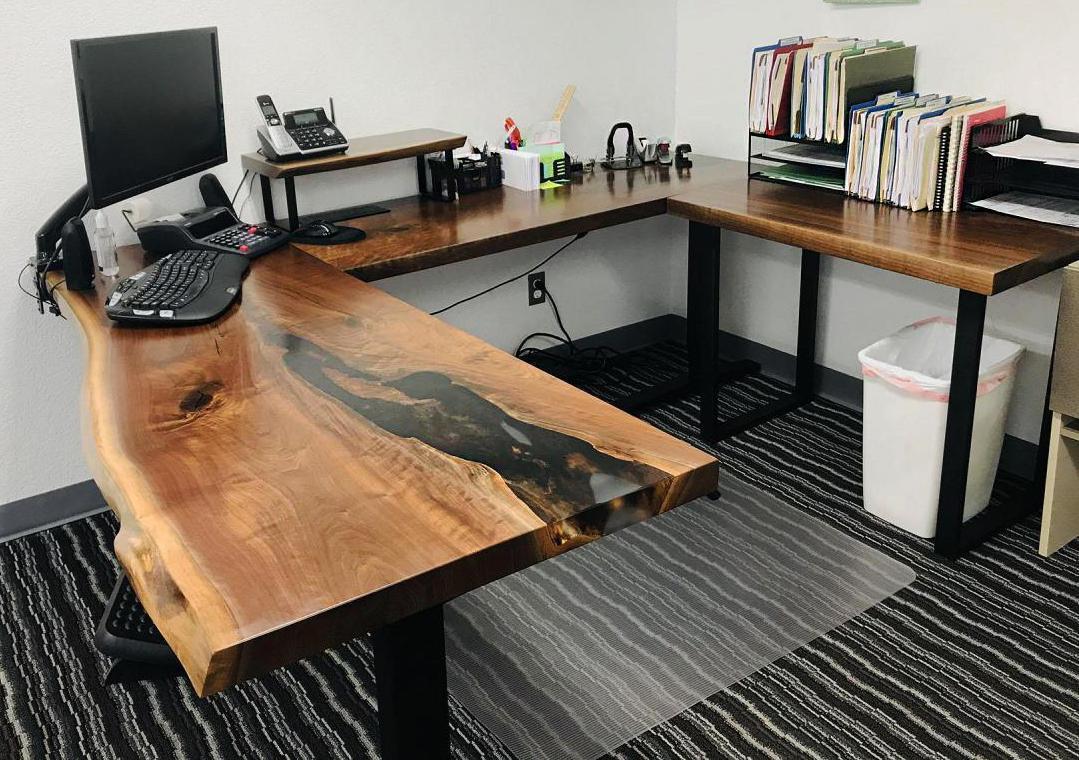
(267, 199)
(702, 317)
(410, 679)
(806, 359)
(966, 354)
(290, 202)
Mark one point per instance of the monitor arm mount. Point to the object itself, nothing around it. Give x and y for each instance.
(48, 255)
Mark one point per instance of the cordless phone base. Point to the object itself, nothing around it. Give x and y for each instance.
(271, 153)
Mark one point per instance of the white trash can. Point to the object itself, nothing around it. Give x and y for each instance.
(907, 378)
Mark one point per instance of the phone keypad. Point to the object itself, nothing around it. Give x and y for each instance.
(320, 136)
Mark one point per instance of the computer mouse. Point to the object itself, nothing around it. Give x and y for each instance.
(319, 229)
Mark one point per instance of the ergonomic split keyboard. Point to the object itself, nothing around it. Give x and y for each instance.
(185, 287)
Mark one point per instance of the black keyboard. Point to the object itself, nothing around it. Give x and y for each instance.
(183, 288)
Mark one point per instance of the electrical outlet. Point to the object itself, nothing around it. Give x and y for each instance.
(537, 288)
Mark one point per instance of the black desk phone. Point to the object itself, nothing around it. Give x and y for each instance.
(297, 134)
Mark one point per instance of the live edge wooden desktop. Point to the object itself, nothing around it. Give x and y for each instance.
(325, 460)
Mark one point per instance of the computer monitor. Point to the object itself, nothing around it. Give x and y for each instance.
(151, 110)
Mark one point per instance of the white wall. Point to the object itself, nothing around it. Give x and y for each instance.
(393, 64)
(1020, 51)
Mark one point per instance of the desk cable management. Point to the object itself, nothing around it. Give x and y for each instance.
(40, 266)
(527, 272)
(575, 359)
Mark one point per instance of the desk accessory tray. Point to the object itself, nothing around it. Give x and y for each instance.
(988, 175)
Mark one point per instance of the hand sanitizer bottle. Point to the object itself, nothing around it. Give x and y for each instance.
(105, 246)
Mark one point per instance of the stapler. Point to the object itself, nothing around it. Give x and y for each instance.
(681, 159)
(632, 159)
(663, 151)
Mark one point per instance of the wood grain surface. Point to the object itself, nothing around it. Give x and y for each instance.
(362, 151)
(325, 459)
(419, 233)
(978, 251)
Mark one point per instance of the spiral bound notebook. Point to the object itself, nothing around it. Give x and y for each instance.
(942, 168)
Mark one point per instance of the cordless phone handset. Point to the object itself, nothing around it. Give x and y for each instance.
(280, 139)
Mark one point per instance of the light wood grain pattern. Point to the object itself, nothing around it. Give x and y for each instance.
(362, 151)
(1064, 394)
(419, 233)
(325, 459)
(978, 251)
(1060, 510)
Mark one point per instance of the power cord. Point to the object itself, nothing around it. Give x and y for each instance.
(44, 294)
(589, 361)
(247, 195)
(236, 192)
(527, 272)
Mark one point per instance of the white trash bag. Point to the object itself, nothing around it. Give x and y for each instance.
(907, 380)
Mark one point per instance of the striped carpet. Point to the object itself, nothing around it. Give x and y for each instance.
(974, 659)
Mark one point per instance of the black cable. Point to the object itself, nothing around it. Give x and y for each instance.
(54, 305)
(43, 295)
(558, 318)
(590, 360)
(247, 197)
(521, 345)
(236, 192)
(19, 281)
(564, 246)
(125, 213)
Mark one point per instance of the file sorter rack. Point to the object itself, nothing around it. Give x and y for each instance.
(988, 175)
(756, 160)
(760, 143)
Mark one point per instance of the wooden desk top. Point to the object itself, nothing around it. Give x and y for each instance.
(978, 251)
(362, 151)
(419, 233)
(325, 459)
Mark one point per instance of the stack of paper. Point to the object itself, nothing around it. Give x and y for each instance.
(1032, 148)
(1041, 208)
(803, 175)
(809, 153)
(910, 150)
(520, 169)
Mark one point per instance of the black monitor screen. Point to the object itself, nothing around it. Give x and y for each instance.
(150, 106)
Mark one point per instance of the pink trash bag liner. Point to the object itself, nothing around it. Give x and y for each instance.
(918, 359)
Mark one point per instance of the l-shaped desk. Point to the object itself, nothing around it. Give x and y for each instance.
(325, 460)
(980, 254)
